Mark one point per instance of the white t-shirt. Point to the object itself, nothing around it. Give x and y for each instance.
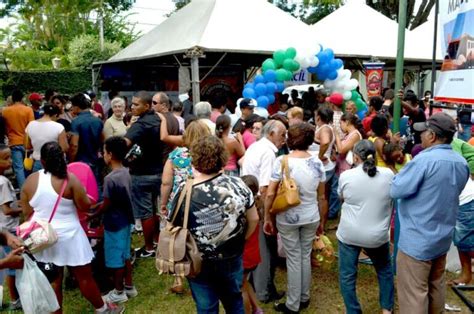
(367, 207)
(259, 159)
(467, 194)
(307, 173)
(41, 132)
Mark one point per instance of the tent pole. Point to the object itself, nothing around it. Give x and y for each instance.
(194, 54)
(402, 16)
(433, 61)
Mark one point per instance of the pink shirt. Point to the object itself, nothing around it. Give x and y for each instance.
(214, 115)
(248, 138)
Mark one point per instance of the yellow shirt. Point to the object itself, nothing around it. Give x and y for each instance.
(379, 159)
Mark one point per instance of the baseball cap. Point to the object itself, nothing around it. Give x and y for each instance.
(441, 123)
(335, 98)
(35, 96)
(247, 103)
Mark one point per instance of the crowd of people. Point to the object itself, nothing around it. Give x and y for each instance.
(144, 155)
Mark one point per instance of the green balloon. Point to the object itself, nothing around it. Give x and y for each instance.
(281, 75)
(288, 64)
(360, 104)
(279, 57)
(355, 95)
(295, 66)
(289, 75)
(268, 64)
(290, 53)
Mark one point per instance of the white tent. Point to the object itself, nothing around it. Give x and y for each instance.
(242, 26)
(357, 30)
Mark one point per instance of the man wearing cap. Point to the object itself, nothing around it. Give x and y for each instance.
(428, 190)
(246, 106)
(35, 101)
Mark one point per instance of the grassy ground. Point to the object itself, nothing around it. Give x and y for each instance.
(154, 296)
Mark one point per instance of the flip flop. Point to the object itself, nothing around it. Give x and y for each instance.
(456, 284)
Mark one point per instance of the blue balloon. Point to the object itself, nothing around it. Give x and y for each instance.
(249, 85)
(339, 63)
(280, 86)
(323, 57)
(261, 89)
(361, 113)
(249, 93)
(271, 98)
(312, 69)
(271, 88)
(329, 53)
(259, 79)
(263, 101)
(270, 75)
(332, 75)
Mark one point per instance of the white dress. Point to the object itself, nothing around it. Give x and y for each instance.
(73, 247)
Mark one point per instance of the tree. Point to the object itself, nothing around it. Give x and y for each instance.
(84, 50)
(389, 8)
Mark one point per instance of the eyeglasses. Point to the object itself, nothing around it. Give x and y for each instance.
(154, 102)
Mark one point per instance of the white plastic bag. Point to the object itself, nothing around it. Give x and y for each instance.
(36, 294)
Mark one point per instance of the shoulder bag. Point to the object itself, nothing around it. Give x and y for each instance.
(38, 234)
(177, 251)
(288, 194)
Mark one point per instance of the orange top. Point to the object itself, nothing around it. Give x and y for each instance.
(471, 141)
(17, 117)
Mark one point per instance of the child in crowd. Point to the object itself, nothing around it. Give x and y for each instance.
(251, 257)
(394, 157)
(9, 218)
(118, 217)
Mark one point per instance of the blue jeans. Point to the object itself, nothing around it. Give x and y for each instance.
(466, 134)
(18, 154)
(332, 182)
(145, 191)
(348, 262)
(219, 280)
(37, 166)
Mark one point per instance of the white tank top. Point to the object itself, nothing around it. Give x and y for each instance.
(314, 149)
(44, 199)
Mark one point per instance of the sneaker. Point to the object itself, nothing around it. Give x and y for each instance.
(304, 305)
(131, 292)
(15, 305)
(113, 309)
(114, 297)
(143, 253)
(281, 307)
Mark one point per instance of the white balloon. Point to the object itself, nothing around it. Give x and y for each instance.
(304, 63)
(299, 57)
(347, 95)
(329, 84)
(262, 112)
(314, 61)
(353, 83)
(347, 74)
(340, 74)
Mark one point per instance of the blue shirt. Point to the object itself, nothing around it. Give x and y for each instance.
(89, 129)
(428, 188)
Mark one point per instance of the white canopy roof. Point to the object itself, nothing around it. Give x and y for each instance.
(357, 30)
(247, 26)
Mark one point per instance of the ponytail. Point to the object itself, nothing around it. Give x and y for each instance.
(365, 150)
(222, 124)
(369, 166)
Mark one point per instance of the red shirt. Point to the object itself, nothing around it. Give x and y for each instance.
(251, 257)
(367, 121)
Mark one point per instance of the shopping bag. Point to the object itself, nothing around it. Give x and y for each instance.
(36, 294)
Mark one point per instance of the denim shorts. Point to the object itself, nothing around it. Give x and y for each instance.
(117, 247)
(145, 191)
(464, 230)
(7, 250)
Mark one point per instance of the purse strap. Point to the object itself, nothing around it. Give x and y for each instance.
(186, 192)
(285, 171)
(60, 195)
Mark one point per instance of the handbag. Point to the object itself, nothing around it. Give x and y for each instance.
(177, 252)
(288, 194)
(28, 161)
(350, 157)
(38, 234)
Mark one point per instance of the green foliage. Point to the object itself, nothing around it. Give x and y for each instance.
(65, 81)
(85, 49)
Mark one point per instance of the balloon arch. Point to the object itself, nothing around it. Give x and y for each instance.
(285, 63)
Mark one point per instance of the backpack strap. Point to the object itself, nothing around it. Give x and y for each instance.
(189, 188)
